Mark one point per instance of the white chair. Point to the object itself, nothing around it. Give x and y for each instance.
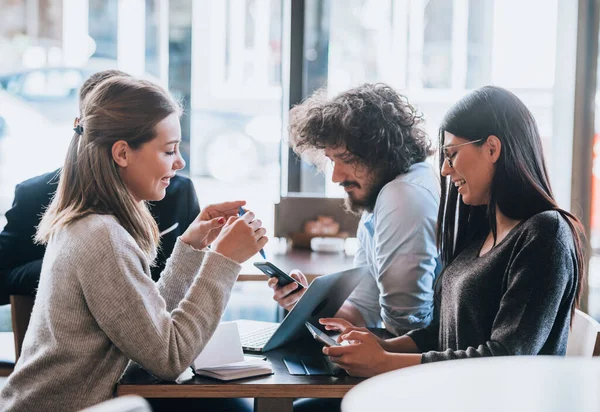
(495, 384)
(129, 403)
(584, 339)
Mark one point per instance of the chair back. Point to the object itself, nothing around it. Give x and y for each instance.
(20, 307)
(129, 403)
(584, 338)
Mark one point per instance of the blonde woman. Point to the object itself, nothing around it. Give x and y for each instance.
(97, 307)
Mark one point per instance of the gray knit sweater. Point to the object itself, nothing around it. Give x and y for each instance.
(97, 308)
(514, 300)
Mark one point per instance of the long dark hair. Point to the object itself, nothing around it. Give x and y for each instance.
(520, 186)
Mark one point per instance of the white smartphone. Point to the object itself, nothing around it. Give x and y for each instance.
(320, 336)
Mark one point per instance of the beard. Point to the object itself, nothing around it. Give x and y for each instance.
(356, 205)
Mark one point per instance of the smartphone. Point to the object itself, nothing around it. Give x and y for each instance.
(320, 336)
(283, 278)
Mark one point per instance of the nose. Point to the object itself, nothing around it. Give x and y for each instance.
(179, 163)
(446, 169)
(337, 176)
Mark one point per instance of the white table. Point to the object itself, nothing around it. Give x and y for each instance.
(516, 383)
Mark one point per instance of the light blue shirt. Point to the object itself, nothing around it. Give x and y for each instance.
(397, 241)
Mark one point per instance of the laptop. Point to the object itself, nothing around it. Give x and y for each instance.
(322, 299)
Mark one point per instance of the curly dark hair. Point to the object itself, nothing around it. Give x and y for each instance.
(378, 126)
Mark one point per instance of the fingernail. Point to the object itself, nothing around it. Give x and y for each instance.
(221, 220)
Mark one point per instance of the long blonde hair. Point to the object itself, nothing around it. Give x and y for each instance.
(119, 108)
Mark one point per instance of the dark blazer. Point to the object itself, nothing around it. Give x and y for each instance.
(21, 258)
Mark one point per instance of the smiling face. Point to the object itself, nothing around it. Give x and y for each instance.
(361, 184)
(147, 170)
(471, 167)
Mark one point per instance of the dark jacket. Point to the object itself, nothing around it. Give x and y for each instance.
(21, 258)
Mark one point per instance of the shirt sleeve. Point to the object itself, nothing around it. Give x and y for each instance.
(540, 284)
(365, 297)
(128, 307)
(405, 256)
(16, 239)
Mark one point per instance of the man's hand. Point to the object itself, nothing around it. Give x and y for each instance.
(284, 295)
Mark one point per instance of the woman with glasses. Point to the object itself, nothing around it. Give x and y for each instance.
(513, 259)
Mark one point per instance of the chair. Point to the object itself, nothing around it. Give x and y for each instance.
(491, 384)
(7, 353)
(584, 339)
(21, 307)
(129, 403)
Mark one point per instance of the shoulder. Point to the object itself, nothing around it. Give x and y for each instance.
(549, 226)
(31, 199)
(42, 186)
(415, 192)
(95, 232)
(420, 179)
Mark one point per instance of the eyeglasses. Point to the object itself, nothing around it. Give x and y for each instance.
(447, 154)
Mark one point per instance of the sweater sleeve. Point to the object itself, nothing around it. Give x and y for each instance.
(178, 275)
(426, 338)
(540, 283)
(129, 308)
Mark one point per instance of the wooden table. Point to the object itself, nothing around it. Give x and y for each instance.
(515, 383)
(312, 264)
(271, 393)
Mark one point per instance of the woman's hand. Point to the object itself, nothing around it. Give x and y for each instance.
(208, 224)
(284, 295)
(345, 327)
(363, 357)
(241, 238)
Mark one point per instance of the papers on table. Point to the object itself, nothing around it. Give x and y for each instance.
(223, 358)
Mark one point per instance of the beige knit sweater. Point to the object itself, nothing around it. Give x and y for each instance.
(97, 308)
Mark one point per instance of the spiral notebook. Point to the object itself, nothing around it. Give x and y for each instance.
(222, 357)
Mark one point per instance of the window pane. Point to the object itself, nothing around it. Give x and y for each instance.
(436, 51)
(236, 103)
(222, 59)
(594, 272)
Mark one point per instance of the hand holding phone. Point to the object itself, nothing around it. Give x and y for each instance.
(283, 278)
(320, 336)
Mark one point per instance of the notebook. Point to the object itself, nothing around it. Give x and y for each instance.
(222, 357)
(237, 370)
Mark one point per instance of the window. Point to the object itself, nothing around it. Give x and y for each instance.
(225, 60)
(436, 51)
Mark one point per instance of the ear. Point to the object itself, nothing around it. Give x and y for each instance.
(120, 153)
(494, 148)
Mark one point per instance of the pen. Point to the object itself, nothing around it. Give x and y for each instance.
(262, 252)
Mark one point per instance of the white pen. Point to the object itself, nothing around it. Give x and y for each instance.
(172, 228)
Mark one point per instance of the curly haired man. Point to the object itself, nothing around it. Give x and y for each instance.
(376, 143)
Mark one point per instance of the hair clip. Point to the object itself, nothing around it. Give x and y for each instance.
(78, 129)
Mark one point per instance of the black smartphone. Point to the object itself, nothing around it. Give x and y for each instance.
(283, 278)
(319, 335)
